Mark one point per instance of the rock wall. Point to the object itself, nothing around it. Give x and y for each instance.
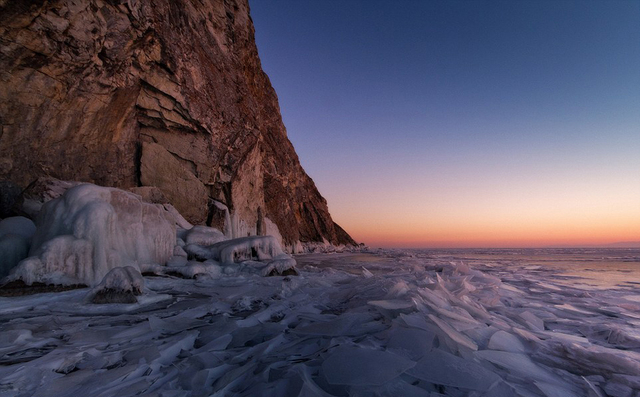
(165, 93)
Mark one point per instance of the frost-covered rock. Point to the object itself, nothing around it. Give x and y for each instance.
(18, 225)
(247, 248)
(175, 217)
(193, 269)
(90, 230)
(15, 240)
(282, 265)
(179, 251)
(264, 251)
(177, 261)
(63, 260)
(120, 285)
(204, 235)
(13, 249)
(199, 252)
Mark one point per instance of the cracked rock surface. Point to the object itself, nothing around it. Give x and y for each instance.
(113, 92)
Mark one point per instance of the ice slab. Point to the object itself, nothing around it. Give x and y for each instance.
(442, 368)
(519, 365)
(392, 304)
(533, 321)
(502, 340)
(412, 343)
(553, 390)
(456, 336)
(359, 366)
(345, 324)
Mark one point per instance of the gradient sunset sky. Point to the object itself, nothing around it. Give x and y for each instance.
(463, 123)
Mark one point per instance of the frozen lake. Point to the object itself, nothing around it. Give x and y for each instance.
(382, 323)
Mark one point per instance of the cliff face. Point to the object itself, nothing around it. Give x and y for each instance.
(166, 93)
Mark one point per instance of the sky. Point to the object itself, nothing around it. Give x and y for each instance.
(463, 123)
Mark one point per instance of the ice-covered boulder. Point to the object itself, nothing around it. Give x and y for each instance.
(204, 235)
(179, 251)
(13, 249)
(18, 225)
(264, 249)
(282, 265)
(120, 285)
(261, 248)
(195, 269)
(247, 248)
(177, 261)
(90, 230)
(200, 253)
(15, 240)
(63, 260)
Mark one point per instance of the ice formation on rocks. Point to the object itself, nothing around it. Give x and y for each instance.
(247, 248)
(205, 251)
(174, 216)
(281, 265)
(15, 240)
(13, 249)
(90, 230)
(191, 269)
(120, 285)
(203, 235)
(265, 249)
(18, 225)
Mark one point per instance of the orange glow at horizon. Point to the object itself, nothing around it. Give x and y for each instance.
(533, 213)
(498, 234)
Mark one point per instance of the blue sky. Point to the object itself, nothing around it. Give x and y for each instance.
(418, 117)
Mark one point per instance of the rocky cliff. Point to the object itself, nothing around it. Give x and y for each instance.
(165, 93)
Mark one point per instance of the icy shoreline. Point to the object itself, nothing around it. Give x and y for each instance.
(390, 323)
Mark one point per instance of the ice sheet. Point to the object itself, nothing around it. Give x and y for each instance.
(411, 327)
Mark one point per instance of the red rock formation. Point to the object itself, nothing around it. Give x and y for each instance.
(166, 93)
